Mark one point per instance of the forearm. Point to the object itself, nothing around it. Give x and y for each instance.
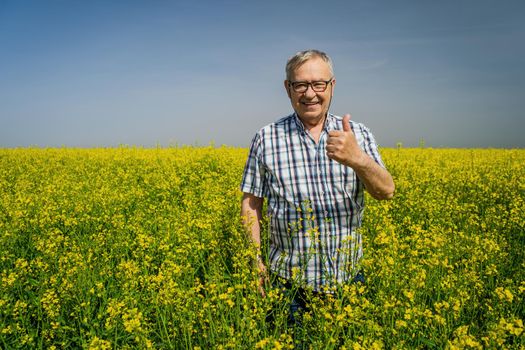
(251, 212)
(377, 180)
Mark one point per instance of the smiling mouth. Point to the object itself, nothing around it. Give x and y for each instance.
(310, 103)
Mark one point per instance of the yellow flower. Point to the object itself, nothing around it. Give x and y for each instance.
(409, 294)
(277, 345)
(132, 320)
(99, 344)
(50, 303)
(504, 294)
(261, 343)
(401, 324)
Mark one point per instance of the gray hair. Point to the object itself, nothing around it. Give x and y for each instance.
(301, 57)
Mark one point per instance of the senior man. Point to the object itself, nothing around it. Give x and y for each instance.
(313, 167)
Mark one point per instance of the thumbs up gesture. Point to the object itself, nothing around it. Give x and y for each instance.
(342, 146)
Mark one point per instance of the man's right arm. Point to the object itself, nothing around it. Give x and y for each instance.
(251, 212)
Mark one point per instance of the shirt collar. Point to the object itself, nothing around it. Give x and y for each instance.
(329, 124)
(298, 122)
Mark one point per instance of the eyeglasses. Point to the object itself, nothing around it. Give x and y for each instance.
(317, 86)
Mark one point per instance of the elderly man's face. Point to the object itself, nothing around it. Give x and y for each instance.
(310, 105)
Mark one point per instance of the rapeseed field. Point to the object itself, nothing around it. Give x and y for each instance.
(131, 248)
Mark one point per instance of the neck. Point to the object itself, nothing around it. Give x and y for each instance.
(313, 126)
(313, 123)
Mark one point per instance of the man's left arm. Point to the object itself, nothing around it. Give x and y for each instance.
(342, 147)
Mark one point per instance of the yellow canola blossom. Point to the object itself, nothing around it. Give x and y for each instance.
(134, 248)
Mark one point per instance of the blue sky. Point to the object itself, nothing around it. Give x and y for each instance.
(105, 73)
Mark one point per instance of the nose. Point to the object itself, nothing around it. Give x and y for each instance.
(310, 91)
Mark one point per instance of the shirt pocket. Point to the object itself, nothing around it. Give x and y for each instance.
(289, 183)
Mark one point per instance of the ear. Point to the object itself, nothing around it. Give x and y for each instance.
(287, 88)
(333, 86)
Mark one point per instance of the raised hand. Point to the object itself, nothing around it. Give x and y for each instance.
(342, 146)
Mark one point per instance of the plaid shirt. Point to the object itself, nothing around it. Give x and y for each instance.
(315, 204)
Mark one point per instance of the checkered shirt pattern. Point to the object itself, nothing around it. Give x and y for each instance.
(315, 204)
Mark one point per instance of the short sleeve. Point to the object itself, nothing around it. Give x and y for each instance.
(370, 146)
(253, 178)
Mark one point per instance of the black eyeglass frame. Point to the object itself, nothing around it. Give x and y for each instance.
(292, 85)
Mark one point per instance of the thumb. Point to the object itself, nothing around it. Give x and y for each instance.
(346, 122)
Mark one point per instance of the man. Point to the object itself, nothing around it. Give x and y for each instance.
(312, 167)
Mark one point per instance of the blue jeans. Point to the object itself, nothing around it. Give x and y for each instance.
(299, 299)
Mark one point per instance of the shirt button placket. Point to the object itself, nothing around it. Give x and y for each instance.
(321, 179)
